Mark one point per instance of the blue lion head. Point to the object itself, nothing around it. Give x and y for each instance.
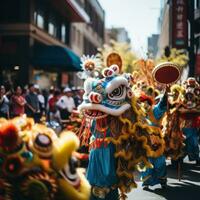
(109, 95)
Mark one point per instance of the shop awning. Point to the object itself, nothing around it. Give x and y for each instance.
(58, 57)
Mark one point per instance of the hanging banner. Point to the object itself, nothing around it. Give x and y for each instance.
(179, 24)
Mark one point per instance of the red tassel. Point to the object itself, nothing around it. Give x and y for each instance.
(80, 133)
(9, 137)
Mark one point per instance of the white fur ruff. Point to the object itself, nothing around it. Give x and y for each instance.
(102, 108)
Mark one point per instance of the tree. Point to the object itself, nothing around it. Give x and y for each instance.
(179, 57)
(124, 50)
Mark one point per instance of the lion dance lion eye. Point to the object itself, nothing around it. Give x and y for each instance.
(117, 92)
(43, 140)
(42, 145)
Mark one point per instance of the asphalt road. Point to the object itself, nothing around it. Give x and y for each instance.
(186, 189)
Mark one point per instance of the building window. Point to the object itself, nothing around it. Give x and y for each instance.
(198, 3)
(35, 17)
(73, 34)
(39, 20)
(52, 29)
(63, 33)
(67, 33)
(89, 47)
(78, 37)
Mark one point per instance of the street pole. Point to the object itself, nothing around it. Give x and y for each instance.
(191, 39)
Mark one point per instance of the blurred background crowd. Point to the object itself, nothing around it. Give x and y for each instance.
(55, 104)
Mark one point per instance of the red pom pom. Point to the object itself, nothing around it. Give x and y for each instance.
(110, 73)
(144, 97)
(8, 137)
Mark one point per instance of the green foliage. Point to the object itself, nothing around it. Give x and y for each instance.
(176, 56)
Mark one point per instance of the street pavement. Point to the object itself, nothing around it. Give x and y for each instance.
(188, 188)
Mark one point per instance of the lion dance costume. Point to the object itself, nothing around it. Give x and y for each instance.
(184, 120)
(117, 132)
(191, 115)
(37, 164)
(154, 115)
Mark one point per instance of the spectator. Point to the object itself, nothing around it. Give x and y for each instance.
(53, 100)
(78, 98)
(17, 102)
(50, 95)
(66, 104)
(25, 91)
(81, 93)
(51, 92)
(3, 90)
(54, 113)
(41, 100)
(4, 104)
(46, 95)
(32, 105)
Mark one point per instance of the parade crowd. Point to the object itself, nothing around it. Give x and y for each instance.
(56, 104)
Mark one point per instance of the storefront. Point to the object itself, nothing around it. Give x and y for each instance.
(21, 63)
(34, 41)
(54, 65)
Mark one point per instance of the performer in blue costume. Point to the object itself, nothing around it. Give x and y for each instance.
(191, 143)
(112, 128)
(104, 99)
(190, 117)
(101, 171)
(157, 174)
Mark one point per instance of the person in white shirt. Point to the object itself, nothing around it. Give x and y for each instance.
(66, 104)
(3, 90)
(4, 103)
(41, 100)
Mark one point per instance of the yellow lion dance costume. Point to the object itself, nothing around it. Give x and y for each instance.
(37, 164)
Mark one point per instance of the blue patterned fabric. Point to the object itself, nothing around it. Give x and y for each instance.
(101, 169)
(156, 175)
(160, 108)
(102, 166)
(191, 143)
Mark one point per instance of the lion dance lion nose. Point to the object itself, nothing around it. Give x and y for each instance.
(95, 97)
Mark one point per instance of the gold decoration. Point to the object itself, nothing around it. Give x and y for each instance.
(114, 58)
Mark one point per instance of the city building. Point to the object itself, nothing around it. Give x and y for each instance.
(197, 37)
(35, 41)
(117, 34)
(164, 27)
(86, 38)
(179, 24)
(153, 45)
